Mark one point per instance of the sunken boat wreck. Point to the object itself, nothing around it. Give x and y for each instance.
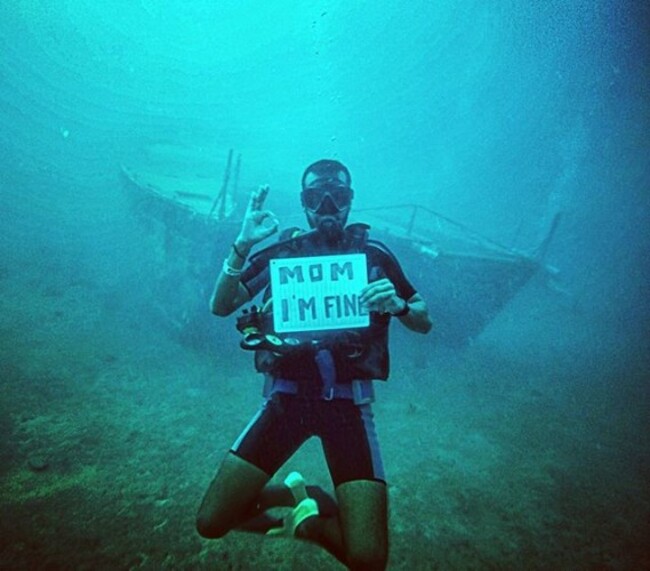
(192, 217)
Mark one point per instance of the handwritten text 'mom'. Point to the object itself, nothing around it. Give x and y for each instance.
(316, 273)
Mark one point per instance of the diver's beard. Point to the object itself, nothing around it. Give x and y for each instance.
(329, 223)
(330, 228)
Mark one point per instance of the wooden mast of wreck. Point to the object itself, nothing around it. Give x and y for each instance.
(235, 181)
(220, 199)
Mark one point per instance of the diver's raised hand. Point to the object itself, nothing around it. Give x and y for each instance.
(382, 297)
(258, 223)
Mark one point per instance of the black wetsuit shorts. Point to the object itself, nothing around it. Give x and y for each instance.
(286, 421)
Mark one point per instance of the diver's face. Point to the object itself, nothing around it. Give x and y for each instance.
(327, 207)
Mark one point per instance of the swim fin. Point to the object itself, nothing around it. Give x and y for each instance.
(305, 507)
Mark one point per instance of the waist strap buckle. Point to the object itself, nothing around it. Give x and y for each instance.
(360, 392)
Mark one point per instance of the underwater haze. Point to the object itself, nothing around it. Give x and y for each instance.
(528, 447)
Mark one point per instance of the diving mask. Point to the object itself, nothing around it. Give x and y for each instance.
(313, 197)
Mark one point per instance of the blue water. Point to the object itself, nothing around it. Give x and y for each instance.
(526, 449)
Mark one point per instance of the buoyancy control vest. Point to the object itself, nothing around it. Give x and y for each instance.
(358, 353)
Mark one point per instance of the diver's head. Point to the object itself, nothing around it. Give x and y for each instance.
(326, 197)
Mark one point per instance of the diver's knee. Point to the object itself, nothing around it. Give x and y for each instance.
(208, 528)
(366, 560)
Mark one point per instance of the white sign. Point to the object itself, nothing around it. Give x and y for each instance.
(318, 293)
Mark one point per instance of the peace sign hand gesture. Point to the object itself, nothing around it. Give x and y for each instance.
(258, 224)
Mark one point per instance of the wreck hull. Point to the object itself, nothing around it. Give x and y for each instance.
(463, 292)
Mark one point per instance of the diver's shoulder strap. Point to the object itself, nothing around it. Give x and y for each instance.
(357, 236)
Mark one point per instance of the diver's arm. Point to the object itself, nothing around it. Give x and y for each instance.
(417, 319)
(229, 293)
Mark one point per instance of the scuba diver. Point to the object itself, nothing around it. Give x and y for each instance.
(317, 383)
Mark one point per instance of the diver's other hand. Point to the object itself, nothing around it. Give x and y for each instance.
(381, 296)
(258, 223)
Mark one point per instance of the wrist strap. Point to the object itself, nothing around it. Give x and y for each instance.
(404, 311)
(239, 254)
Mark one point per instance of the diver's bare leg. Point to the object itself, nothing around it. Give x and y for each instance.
(232, 494)
(239, 495)
(358, 537)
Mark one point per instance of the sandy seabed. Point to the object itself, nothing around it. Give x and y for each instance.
(530, 453)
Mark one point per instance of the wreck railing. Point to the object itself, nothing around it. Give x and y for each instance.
(416, 208)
